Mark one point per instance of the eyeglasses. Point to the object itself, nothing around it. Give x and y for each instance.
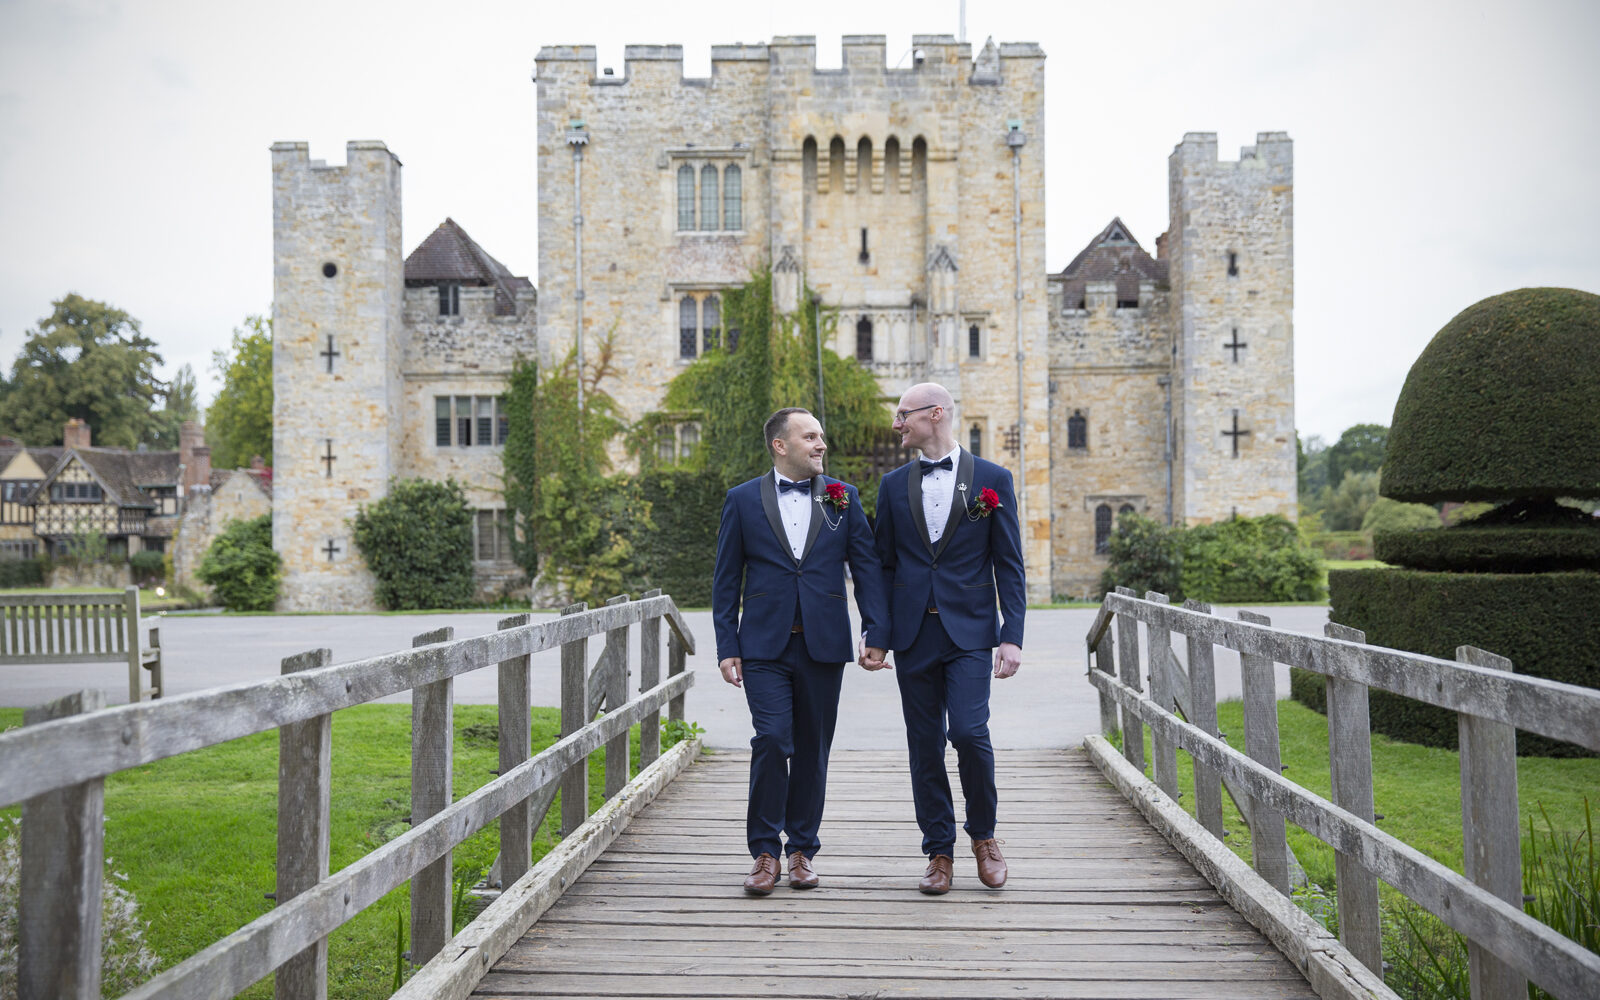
(903, 415)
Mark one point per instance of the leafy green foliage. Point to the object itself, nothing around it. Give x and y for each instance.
(239, 421)
(148, 567)
(1145, 555)
(1359, 449)
(24, 572)
(182, 404)
(83, 548)
(1349, 502)
(417, 541)
(1520, 537)
(241, 568)
(86, 360)
(1249, 559)
(1543, 622)
(1311, 463)
(677, 556)
(1392, 515)
(580, 528)
(1503, 403)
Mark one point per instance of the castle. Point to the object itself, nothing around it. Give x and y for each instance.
(910, 201)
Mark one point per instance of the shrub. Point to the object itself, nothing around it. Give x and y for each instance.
(1543, 622)
(417, 541)
(1144, 556)
(1349, 502)
(148, 566)
(1392, 515)
(1504, 402)
(24, 572)
(1344, 545)
(241, 568)
(1248, 559)
(678, 555)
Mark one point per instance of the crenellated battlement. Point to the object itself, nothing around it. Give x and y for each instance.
(1199, 149)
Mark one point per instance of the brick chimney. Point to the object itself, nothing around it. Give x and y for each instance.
(194, 455)
(75, 434)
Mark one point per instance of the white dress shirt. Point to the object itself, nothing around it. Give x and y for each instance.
(794, 510)
(938, 493)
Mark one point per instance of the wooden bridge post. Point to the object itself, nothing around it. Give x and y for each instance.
(305, 779)
(431, 763)
(1350, 768)
(1491, 837)
(1203, 714)
(1269, 841)
(1165, 751)
(1105, 662)
(616, 652)
(516, 746)
(63, 864)
(130, 630)
(574, 706)
(649, 677)
(1128, 665)
(676, 654)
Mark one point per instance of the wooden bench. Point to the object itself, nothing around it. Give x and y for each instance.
(82, 628)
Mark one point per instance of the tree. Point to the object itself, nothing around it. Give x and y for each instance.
(1359, 449)
(241, 568)
(182, 405)
(239, 422)
(1349, 503)
(417, 541)
(1312, 455)
(86, 360)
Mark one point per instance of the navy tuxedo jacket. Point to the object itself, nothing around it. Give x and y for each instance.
(756, 569)
(976, 559)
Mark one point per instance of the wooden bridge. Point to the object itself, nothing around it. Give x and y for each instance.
(1116, 891)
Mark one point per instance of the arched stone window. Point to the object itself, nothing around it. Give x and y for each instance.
(685, 197)
(732, 197)
(711, 310)
(708, 197)
(1077, 430)
(1126, 508)
(975, 441)
(836, 164)
(687, 327)
(863, 339)
(974, 341)
(1102, 529)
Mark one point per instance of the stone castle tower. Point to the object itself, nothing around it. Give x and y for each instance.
(336, 351)
(910, 200)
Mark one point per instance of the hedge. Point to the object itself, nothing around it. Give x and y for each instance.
(678, 555)
(24, 572)
(1481, 550)
(1545, 623)
(1503, 402)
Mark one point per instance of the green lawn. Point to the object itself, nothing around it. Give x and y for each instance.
(196, 834)
(148, 601)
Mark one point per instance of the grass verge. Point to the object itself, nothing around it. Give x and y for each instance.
(196, 834)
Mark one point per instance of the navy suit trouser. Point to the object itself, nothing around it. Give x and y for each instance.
(944, 695)
(794, 704)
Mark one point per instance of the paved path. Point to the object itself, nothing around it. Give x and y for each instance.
(1097, 905)
(1048, 703)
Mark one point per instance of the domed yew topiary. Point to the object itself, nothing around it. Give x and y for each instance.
(1502, 405)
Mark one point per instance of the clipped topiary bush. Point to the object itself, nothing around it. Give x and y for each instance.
(418, 543)
(241, 568)
(1504, 405)
(1249, 559)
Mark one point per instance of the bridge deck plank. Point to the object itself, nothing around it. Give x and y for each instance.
(1098, 905)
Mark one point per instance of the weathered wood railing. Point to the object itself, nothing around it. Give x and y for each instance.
(57, 762)
(1507, 947)
(82, 628)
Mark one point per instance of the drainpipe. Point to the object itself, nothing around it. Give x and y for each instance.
(1015, 139)
(1165, 381)
(577, 138)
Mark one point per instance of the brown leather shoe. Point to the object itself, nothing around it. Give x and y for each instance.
(936, 880)
(801, 875)
(763, 876)
(991, 866)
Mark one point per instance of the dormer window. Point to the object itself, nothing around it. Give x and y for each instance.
(76, 492)
(449, 298)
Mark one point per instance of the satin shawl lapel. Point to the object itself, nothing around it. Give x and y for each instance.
(958, 508)
(815, 528)
(914, 495)
(769, 503)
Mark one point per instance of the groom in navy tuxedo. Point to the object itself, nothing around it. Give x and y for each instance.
(781, 551)
(948, 538)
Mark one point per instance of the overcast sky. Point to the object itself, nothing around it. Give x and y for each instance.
(1444, 151)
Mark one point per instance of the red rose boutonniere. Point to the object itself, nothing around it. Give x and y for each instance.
(837, 495)
(988, 501)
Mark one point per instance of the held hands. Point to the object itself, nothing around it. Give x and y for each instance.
(732, 670)
(874, 658)
(1007, 658)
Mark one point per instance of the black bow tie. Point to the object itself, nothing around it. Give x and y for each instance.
(943, 463)
(785, 486)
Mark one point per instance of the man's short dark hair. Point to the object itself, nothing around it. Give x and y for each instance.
(777, 425)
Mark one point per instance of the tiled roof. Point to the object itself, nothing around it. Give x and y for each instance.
(123, 473)
(1114, 255)
(449, 254)
(262, 480)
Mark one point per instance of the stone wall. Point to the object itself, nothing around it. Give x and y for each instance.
(207, 513)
